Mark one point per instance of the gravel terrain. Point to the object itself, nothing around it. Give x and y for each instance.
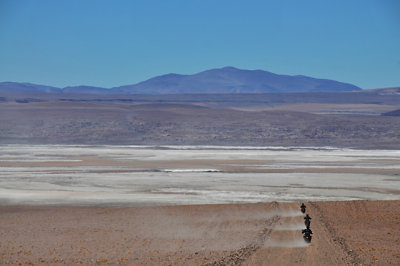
(233, 234)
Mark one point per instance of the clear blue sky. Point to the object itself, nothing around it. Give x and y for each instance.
(111, 43)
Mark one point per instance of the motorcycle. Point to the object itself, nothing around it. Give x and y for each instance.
(303, 209)
(307, 237)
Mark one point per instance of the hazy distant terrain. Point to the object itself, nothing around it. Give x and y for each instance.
(392, 113)
(342, 120)
(221, 80)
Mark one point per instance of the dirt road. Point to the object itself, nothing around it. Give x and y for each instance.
(242, 234)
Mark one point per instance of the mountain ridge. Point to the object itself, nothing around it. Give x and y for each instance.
(218, 80)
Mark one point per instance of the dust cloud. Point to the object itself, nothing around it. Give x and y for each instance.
(289, 227)
(297, 243)
(222, 230)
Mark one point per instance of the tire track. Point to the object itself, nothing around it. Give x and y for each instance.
(352, 255)
(238, 256)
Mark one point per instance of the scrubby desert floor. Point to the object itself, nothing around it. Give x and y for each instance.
(350, 119)
(345, 233)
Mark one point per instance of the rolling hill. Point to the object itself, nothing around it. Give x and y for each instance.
(233, 80)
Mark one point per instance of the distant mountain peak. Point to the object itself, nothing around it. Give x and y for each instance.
(229, 68)
(229, 79)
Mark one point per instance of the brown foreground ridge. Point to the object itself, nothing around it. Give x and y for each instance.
(345, 233)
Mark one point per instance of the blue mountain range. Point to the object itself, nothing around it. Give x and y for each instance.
(220, 80)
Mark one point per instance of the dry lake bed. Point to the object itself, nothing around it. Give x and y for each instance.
(169, 175)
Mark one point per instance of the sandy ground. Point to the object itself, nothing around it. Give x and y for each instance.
(345, 233)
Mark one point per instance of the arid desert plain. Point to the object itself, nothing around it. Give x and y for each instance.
(194, 205)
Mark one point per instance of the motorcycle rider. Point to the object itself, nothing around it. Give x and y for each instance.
(303, 208)
(307, 231)
(307, 220)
